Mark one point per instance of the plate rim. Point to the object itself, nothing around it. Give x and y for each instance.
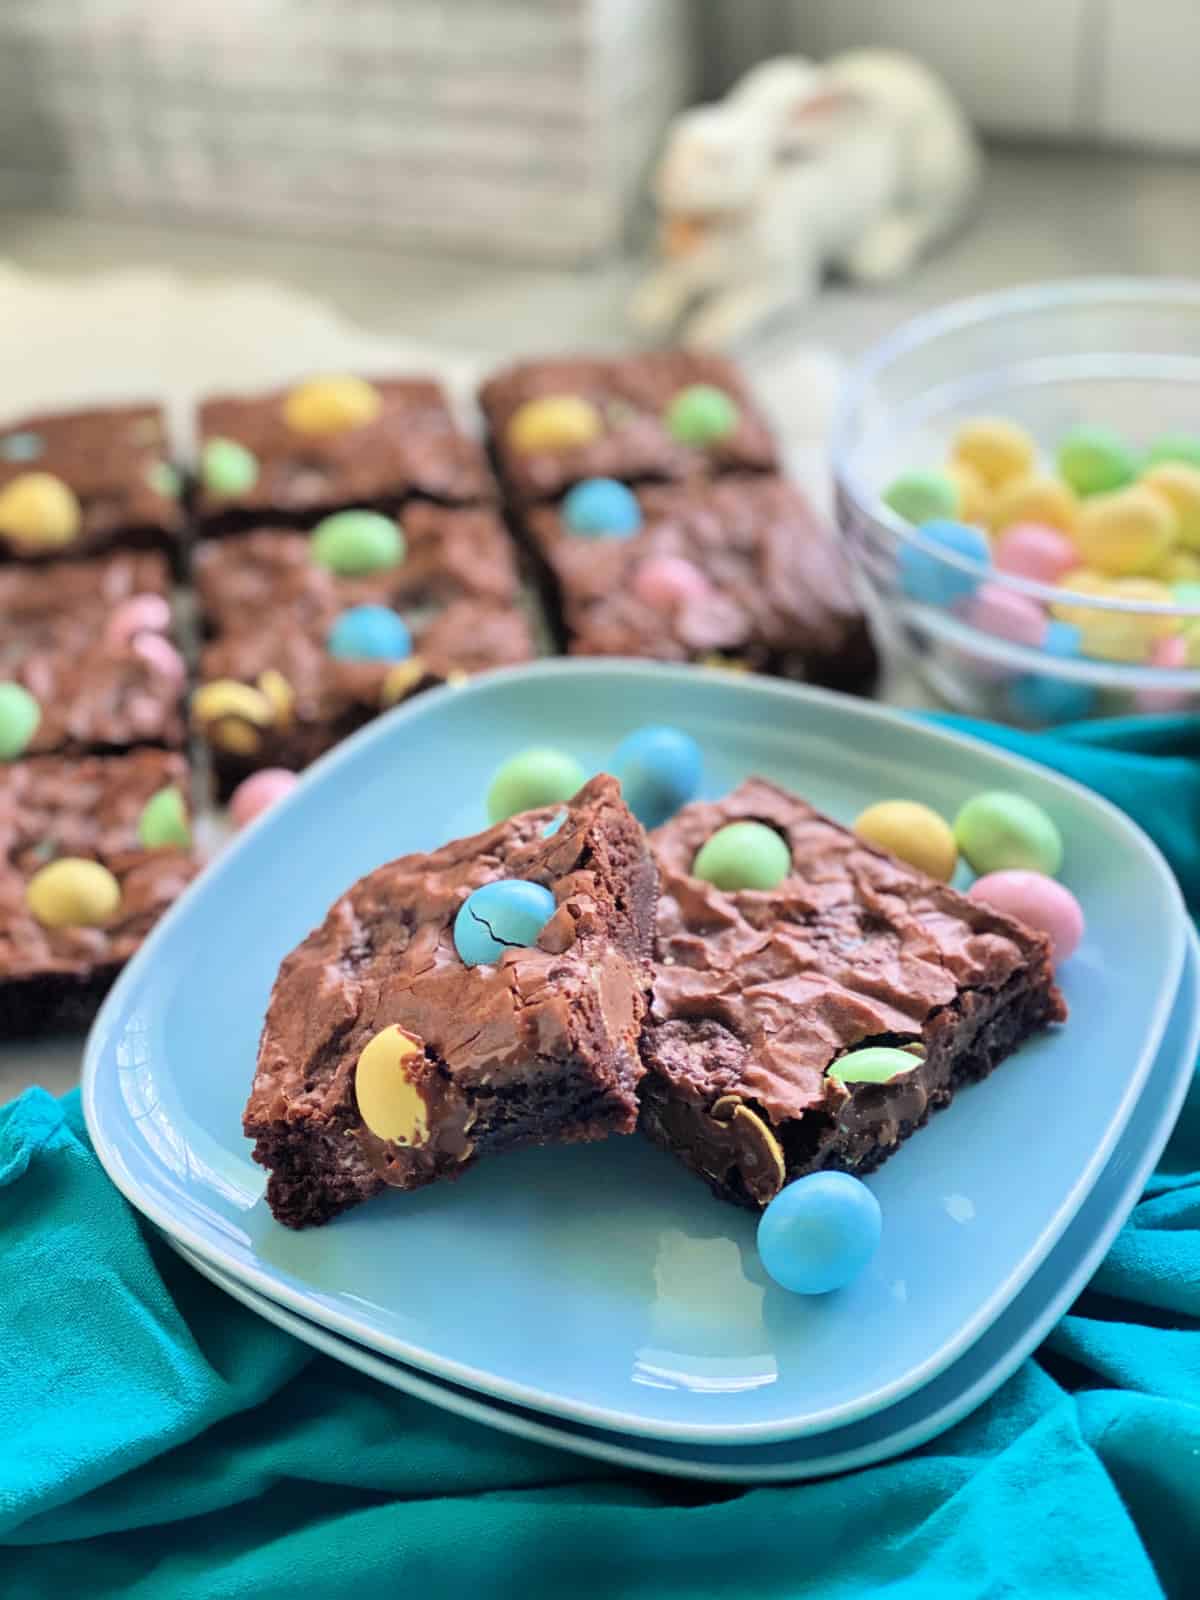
(521, 1393)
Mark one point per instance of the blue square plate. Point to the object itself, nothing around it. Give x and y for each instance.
(603, 1283)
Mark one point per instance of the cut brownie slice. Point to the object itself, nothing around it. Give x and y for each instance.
(773, 590)
(758, 993)
(539, 1048)
(51, 808)
(630, 396)
(113, 462)
(411, 446)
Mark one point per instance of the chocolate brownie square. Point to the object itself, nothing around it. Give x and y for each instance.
(757, 994)
(402, 442)
(626, 399)
(55, 977)
(741, 568)
(97, 692)
(75, 483)
(538, 1048)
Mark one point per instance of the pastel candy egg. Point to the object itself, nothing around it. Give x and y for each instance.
(659, 770)
(354, 544)
(701, 415)
(20, 716)
(369, 633)
(1179, 485)
(997, 830)
(601, 508)
(875, 1064)
(1184, 447)
(164, 820)
(923, 496)
(1177, 566)
(403, 678)
(1187, 594)
(1037, 498)
(1035, 550)
(912, 832)
(496, 917)
(1037, 901)
(743, 855)
(1172, 655)
(1096, 461)
(933, 582)
(22, 446)
(667, 582)
(1117, 635)
(1007, 614)
(974, 502)
(996, 448)
(820, 1232)
(387, 1088)
(532, 778)
(165, 480)
(554, 422)
(1039, 697)
(331, 405)
(258, 793)
(1125, 532)
(39, 512)
(73, 892)
(161, 655)
(141, 613)
(232, 714)
(227, 468)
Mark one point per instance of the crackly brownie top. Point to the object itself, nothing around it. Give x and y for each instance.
(631, 395)
(50, 807)
(112, 458)
(777, 583)
(757, 992)
(413, 446)
(385, 954)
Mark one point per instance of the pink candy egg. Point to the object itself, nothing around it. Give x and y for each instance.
(161, 655)
(1038, 901)
(1031, 550)
(1170, 654)
(258, 793)
(665, 582)
(141, 613)
(1007, 615)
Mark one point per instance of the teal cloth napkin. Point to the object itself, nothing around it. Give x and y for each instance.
(156, 1439)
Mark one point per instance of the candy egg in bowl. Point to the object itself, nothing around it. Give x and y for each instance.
(1018, 482)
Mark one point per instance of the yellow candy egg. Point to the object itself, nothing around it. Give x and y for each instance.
(73, 892)
(1179, 485)
(997, 449)
(389, 1100)
(1177, 566)
(912, 832)
(974, 497)
(1117, 635)
(279, 694)
(331, 405)
(1125, 532)
(401, 680)
(39, 512)
(555, 422)
(232, 713)
(1035, 498)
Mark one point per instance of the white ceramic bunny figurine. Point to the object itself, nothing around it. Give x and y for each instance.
(857, 166)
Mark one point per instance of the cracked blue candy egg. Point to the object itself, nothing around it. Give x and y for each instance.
(495, 918)
(820, 1232)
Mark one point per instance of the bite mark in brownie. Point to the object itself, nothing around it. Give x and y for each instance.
(540, 1047)
(758, 993)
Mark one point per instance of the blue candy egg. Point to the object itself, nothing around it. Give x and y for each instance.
(1036, 697)
(498, 916)
(602, 508)
(923, 577)
(23, 446)
(659, 769)
(369, 633)
(819, 1232)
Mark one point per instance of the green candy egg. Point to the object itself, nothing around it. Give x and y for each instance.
(164, 820)
(701, 414)
(19, 718)
(1096, 461)
(537, 777)
(743, 855)
(164, 479)
(228, 468)
(1188, 594)
(876, 1064)
(997, 831)
(924, 496)
(355, 543)
(1183, 447)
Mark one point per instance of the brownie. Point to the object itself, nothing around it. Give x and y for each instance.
(539, 1048)
(758, 993)
(631, 394)
(114, 461)
(51, 807)
(413, 447)
(780, 595)
(96, 695)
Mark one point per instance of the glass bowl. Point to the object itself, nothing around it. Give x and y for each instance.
(1121, 353)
